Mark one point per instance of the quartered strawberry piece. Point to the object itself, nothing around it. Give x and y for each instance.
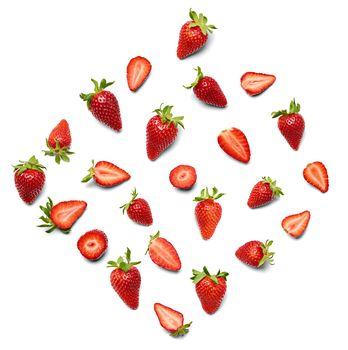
(296, 224)
(256, 83)
(138, 70)
(316, 174)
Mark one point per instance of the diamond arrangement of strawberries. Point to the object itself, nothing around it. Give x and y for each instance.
(161, 132)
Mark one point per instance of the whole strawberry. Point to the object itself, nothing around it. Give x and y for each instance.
(161, 131)
(29, 179)
(264, 192)
(138, 210)
(126, 279)
(210, 289)
(104, 105)
(255, 253)
(208, 212)
(208, 90)
(193, 34)
(59, 142)
(291, 124)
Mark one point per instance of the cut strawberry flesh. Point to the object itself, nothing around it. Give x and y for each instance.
(316, 174)
(64, 214)
(169, 319)
(183, 176)
(256, 83)
(164, 254)
(108, 174)
(234, 143)
(92, 244)
(296, 224)
(138, 70)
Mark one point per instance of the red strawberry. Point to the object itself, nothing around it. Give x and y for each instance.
(104, 105)
(193, 35)
(316, 174)
(264, 192)
(255, 253)
(183, 177)
(29, 179)
(126, 279)
(210, 289)
(138, 210)
(208, 212)
(256, 83)
(163, 253)
(93, 244)
(171, 320)
(161, 131)
(291, 124)
(62, 215)
(138, 70)
(59, 142)
(208, 90)
(296, 224)
(235, 144)
(106, 174)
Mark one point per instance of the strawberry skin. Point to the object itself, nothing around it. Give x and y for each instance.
(256, 83)
(235, 144)
(296, 224)
(183, 177)
(138, 70)
(93, 244)
(264, 192)
(316, 174)
(163, 253)
(255, 253)
(29, 179)
(193, 35)
(104, 105)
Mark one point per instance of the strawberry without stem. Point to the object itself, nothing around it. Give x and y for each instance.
(256, 83)
(138, 70)
(93, 244)
(183, 177)
(316, 174)
(264, 192)
(255, 253)
(296, 224)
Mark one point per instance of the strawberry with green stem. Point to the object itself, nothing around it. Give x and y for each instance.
(255, 253)
(264, 192)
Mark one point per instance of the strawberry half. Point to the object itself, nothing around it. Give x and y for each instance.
(183, 177)
(138, 70)
(171, 320)
(296, 224)
(106, 174)
(235, 144)
(256, 83)
(255, 253)
(316, 174)
(93, 244)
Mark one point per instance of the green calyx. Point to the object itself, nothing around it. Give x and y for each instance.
(277, 191)
(123, 262)
(97, 88)
(48, 223)
(199, 77)
(152, 238)
(199, 275)
(126, 206)
(206, 195)
(90, 174)
(60, 153)
(181, 330)
(294, 108)
(166, 116)
(201, 22)
(32, 164)
(267, 255)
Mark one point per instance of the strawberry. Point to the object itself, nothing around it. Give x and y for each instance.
(208, 90)
(62, 215)
(316, 174)
(235, 144)
(126, 279)
(193, 34)
(104, 105)
(208, 212)
(264, 192)
(138, 210)
(106, 174)
(163, 253)
(183, 177)
(255, 253)
(291, 124)
(210, 289)
(296, 224)
(161, 131)
(256, 83)
(58, 142)
(171, 320)
(93, 244)
(138, 70)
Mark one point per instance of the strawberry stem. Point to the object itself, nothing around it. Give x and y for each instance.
(32, 163)
(126, 206)
(206, 195)
(48, 223)
(90, 174)
(60, 153)
(294, 108)
(199, 275)
(267, 256)
(199, 77)
(201, 22)
(166, 116)
(123, 262)
(182, 330)
(97, 88)
(277, 191)
(152, 238)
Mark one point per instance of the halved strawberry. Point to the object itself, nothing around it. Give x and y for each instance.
(92, 245)
(106, 174)
(256, 83)
(138, 70)
(316, 174)
(296, 224)
(183, 176)
(235, 144)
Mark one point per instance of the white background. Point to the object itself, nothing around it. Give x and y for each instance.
(51, 298)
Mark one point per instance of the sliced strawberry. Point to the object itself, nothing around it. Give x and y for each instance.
(183, 177)
(92, 245)
(316, 174)
(138, 70)
(235, 144)
(256, 83)
(296, 224)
